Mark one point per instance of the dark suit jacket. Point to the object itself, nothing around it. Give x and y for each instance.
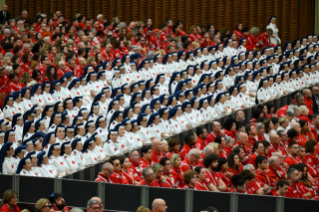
(2, 19)
(315, 107)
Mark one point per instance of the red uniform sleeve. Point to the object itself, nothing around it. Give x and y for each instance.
(184, 168)
(115, 179)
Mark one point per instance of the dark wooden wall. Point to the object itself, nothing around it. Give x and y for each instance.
(296, 18)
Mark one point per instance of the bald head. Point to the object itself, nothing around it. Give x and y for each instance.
(274, 138)
(159, 205)
(157, 145)
(107, 169)
(295, 126)
(97, 199)
(306, 92)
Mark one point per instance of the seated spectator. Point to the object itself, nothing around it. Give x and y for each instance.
(292, 157)
(252, 134)
(106, 172)
(118, 176)
(58, 203)
(157, 148)
(260, 129)
(235, 167)
(216, 131)
(272, 172)
(149, 178)
(159, 205)
(201, 138)
(223, 171)
(281, 188)
(258, 150)
(190, 179)
(127, 171)
(239, 184)
(134, 158)
(190, 162)
(10, 201)
(92, 205)
(188, 145)
(161, 179)
(174, 147)
(175, 172)
(145, 160)
(230, 128)
(283, 123)
(201, 176)
(262, 165)
(43, 205)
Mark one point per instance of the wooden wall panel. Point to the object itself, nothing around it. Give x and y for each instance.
(295, 17)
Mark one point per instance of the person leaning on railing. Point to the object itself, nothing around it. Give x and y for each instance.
(10, 201)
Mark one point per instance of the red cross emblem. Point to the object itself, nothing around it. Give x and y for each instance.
(73, 162)
(61, 163)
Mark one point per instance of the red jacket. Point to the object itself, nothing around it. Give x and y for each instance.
(153, 184)
(101, 178)
(281, 111)
(294, 192)
(290, 160)
(211, 137)
(309, 103)
(184, 151)
(156, 157)
(5, 208)
(137, 171)
(176, 177)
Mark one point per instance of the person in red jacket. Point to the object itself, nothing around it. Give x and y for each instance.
(293, 177)
(264, 38)
(190, 162)
(252, 134)
(216, 131)
(282, 188)
(262, 165)
(258, 149)
(175, 173)
(252, 41)
(149, 178)
(308, 100)
(201, 142)
(314, 126)
(145, 160)
(189, 144)
(274, 144)
(293, 151)
(117, 176)
(58, 203)
(14, 85)
(105, 174)
(157, 148)
(272, 171)
(10, 201)
(134, 158)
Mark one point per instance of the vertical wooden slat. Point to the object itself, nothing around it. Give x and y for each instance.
(217, 14)
(43, 6)
(275, 8)
(36, 7)
(110, 10)
(233, 18)
(87, 9)
(163, 12)
(94, 9)
(291, 6)
(29, 7)
(257, 16)
(282, 20)
(202, 7)
(132, 8)
(118, 8)
(51, 6)
(57, 5)
(140, 10)
(242, 14)
(170, 9)
(147, 9)
(178, 11)
(266, 13)
(194, 13)
(250, 12)
(15, 7)
(186, 12)
(124, 14)
(155, 11)
(226, 13)
(210, 7)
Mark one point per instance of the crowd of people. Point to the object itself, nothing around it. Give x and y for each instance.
(56, 202)
(83, 91)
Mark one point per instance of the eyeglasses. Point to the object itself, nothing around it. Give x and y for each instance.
(116, 164)
(109, 171)
(96, 208)
(168, 164)
(47, 206)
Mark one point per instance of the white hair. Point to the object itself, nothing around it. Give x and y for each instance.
(91, 202)
(25, 45)
(20, 22)
(7, 30)
(248, 166)
(206, 149)
(61, 62)
(99, 16)
(76, 210)
(47, 39)
(272, 159)
(192, 152)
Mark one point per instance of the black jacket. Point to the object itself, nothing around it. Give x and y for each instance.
(2, 19)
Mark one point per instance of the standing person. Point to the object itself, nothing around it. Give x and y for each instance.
(272, 25)
(4, 14)
(9, 201)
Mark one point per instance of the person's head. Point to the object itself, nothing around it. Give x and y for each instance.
(239, 183)
(211, 161)
(93, 205)
(134, 155)
(242, 138)
(201, 133)
(293, 175)
(274, 162)
(233, 160)
(57, 200)
(282, 187)
(190, 138)
(146, 152)
(176, 160)
(240, 116)
(295, 126)
(293, 148)
(292, 135)
(216, 127)
(107, 169)
(251, 129)
(157, 145)
(100, 202)
(115, 161)
(194, 155)
(300, 99)
(43, 205)
(190, 177)
(10, 197)
(159, 205)
(261, 162)
(311, 146)
(148, 174)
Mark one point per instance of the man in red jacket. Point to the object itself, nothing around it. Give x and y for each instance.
(135, 166)
(282, 188)
(293, 178)
(190, 162)
(272, 171)
(104, 175)
(308, 100)
(216, 131)
(292, 157)
(190, 140)
(157, 148)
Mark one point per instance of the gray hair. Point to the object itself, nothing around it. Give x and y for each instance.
(272, 159)
(7, 30)
(206, 149)
(290, 172)
(279, 132)
(11, 21)
(228, 139)
(290, 112)
(76, 210)
(122, 25)
(192, 152)
(254, 29)
(91, 202)
(259, 125)
(20, 22)
(107, 165)
(99, 16)
(47, 39)
(61, 62)
(150, 55)
(145, 170)
(25, 45)
(248, 166)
